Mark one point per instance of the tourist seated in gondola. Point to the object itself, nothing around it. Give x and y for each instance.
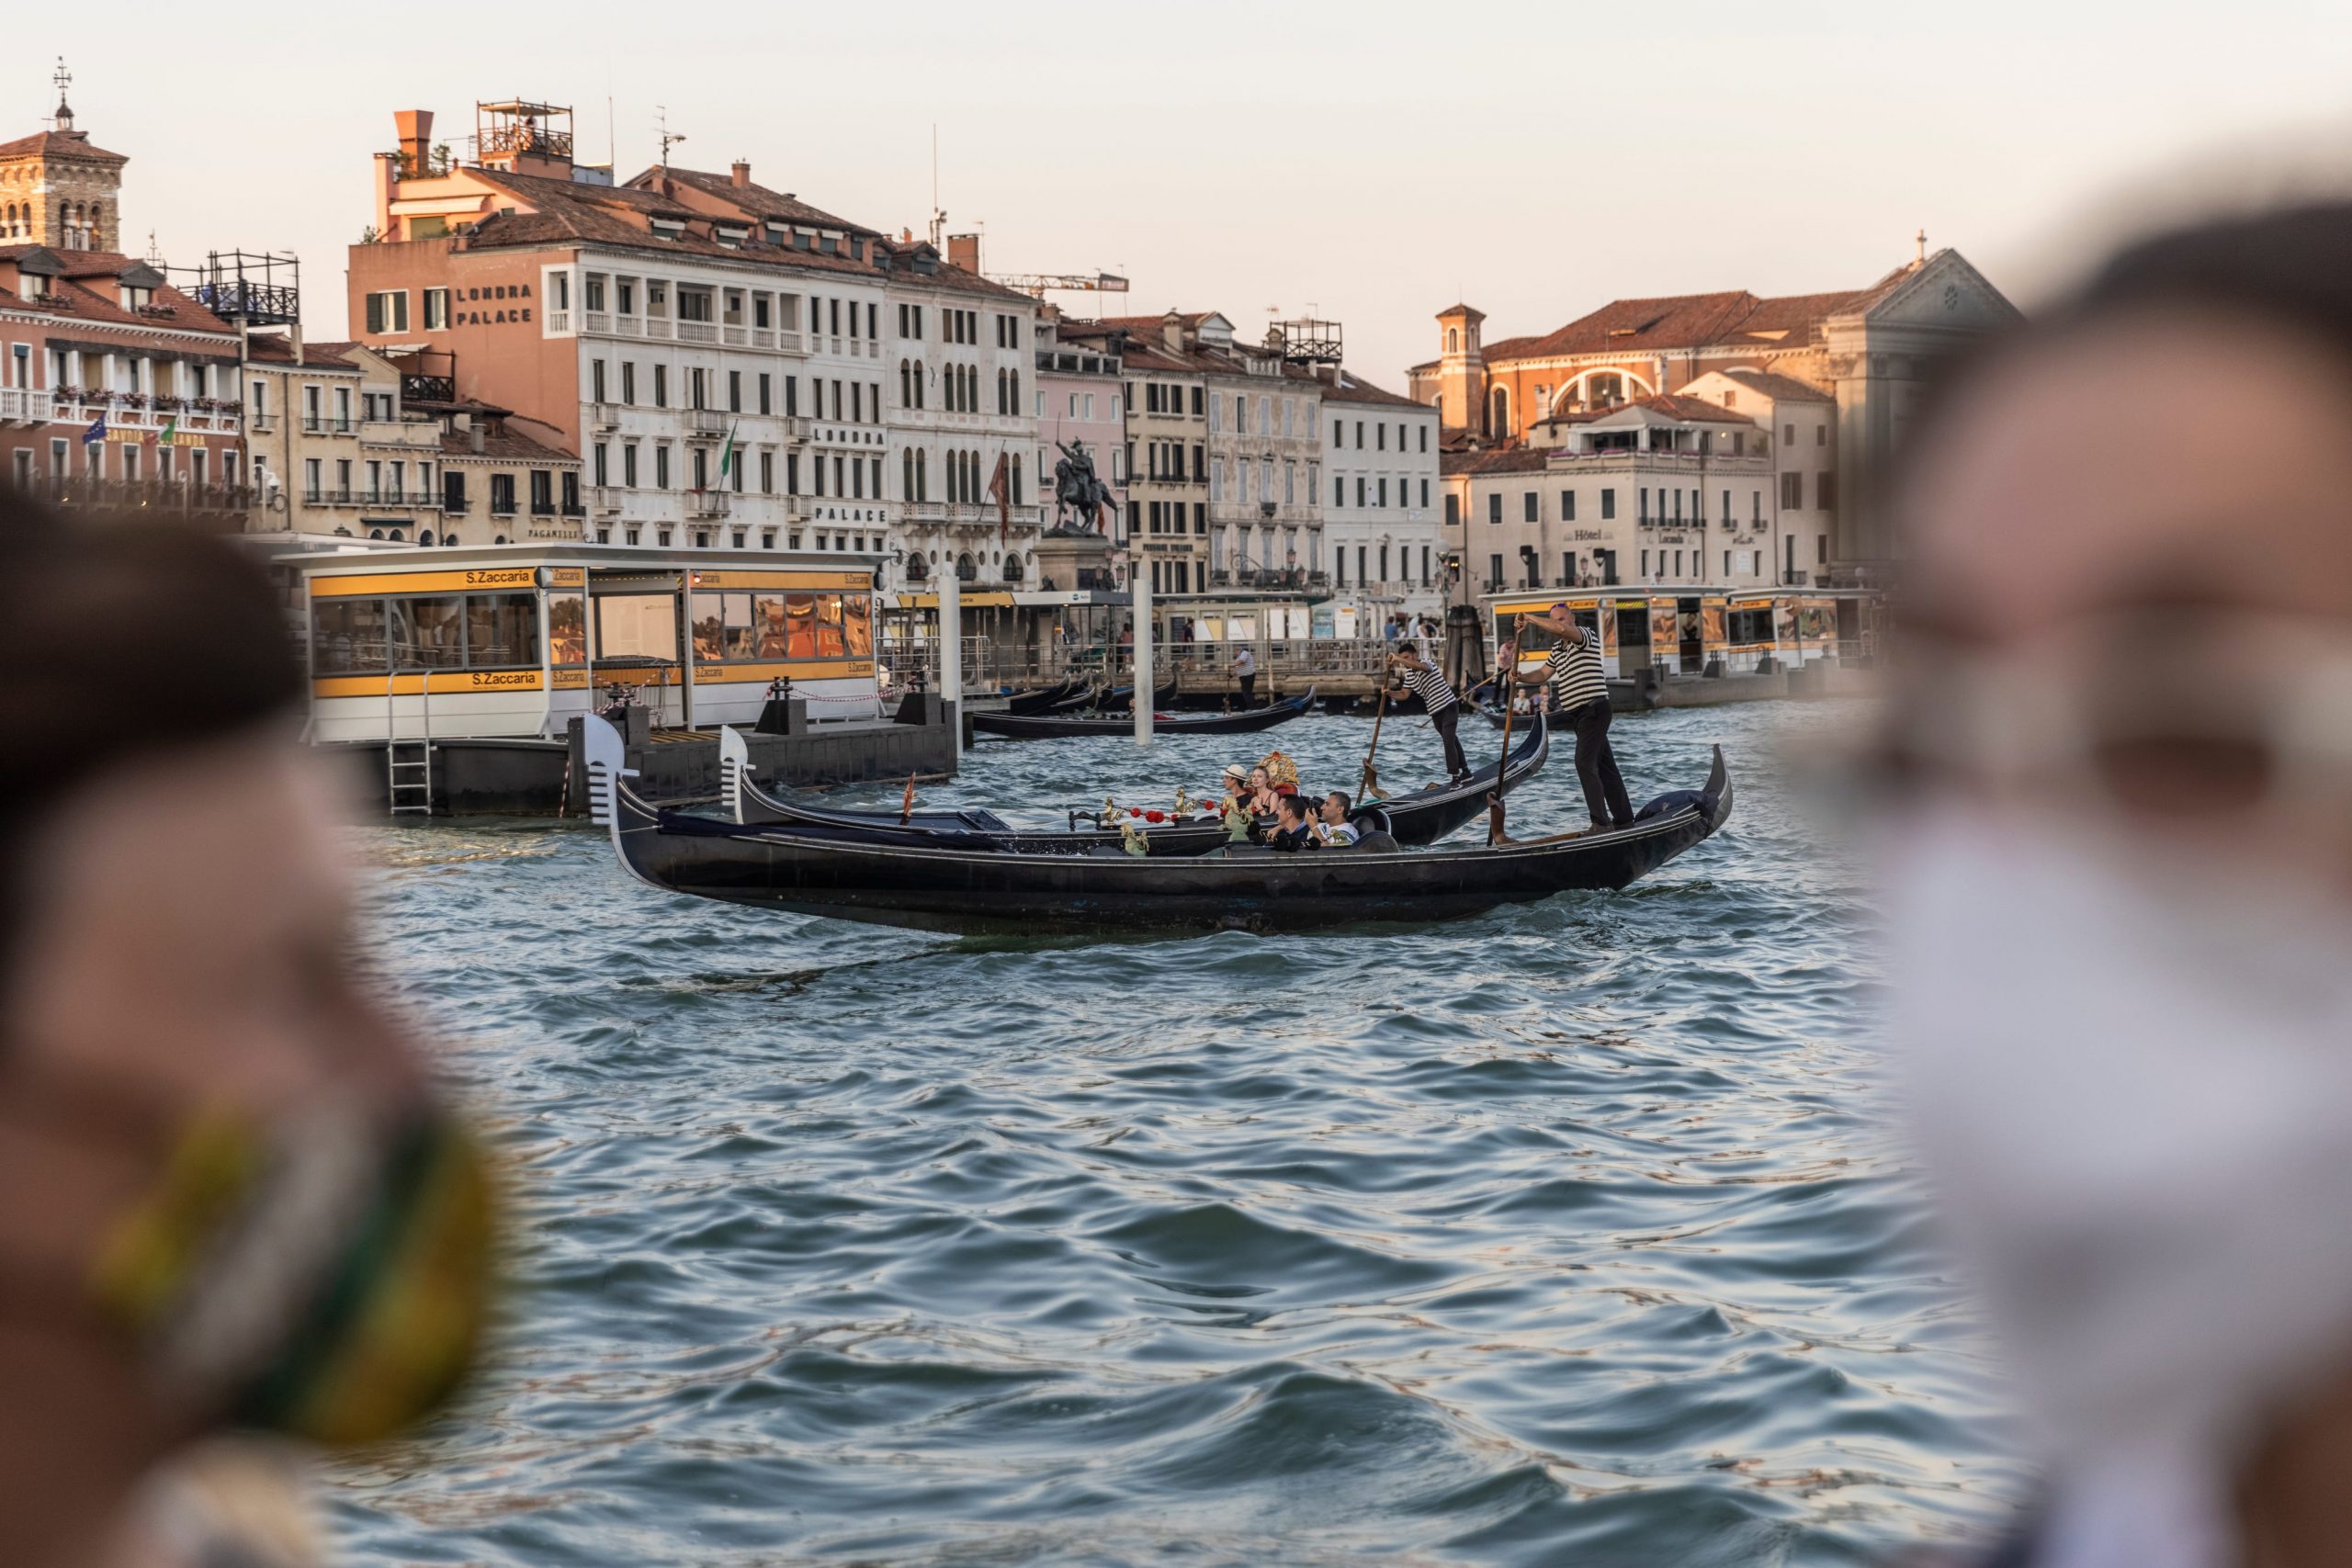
(1335, 831)
(1293, 830)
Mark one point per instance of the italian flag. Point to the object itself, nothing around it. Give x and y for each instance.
(727, 454)
(171, 428)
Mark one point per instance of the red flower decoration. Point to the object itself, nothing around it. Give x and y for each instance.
(1135, 810)
(1155, 816)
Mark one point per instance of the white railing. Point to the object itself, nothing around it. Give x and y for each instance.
(558, 322)
(737, 337)
(657, 326)
(628, 326)
(604, 500)
(595, 321)
(26, 403)
(796, 427)
(697, 332)
(789, 342)
(762, 337)
(707, 503)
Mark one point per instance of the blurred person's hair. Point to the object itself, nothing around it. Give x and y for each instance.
(123, 638)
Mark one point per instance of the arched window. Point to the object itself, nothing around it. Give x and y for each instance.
(1014, 406)
(922, 479)
(1452, 340)
(917, 569)
(906, 384)
(448, 538)
(906, 474)
(1498, 414)
(425, 536)
(1016, 478)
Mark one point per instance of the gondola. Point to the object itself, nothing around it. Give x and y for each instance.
(1025, 726)
(1047, 699)
(1419, 817)
(1240, 887)
(1494, 717)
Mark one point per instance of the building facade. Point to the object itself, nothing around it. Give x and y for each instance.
(1383, 508)
(1167, 462)
(1871, 349)
(1265, 464)
(1668, 491)
(116, 388)
(1800, 423)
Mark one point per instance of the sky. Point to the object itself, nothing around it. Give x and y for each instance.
(1366, 161)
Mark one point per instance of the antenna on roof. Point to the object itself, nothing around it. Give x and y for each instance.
(668, 137)
(1923, 244)
(64, 119)
(612, 137)
(938, 213)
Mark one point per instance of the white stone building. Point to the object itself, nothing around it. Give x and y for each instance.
(1381, 501)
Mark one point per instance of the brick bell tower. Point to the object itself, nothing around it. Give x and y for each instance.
(57, 188)
(1461, 368)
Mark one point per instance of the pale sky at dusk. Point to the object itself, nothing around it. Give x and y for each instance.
(1369, 160)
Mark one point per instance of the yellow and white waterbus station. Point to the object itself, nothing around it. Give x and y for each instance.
(463, 669)
(517, 639)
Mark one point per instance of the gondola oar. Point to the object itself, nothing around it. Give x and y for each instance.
(1507, 668)
(907, 801)
(1369, 789)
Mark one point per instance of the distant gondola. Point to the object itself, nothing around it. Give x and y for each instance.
(1035, 727)
(1418, 817)
(1046, 699)
(1246, 887)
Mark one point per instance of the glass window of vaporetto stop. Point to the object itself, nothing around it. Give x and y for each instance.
(447, 631)
(1704, 631)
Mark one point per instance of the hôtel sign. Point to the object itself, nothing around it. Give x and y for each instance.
(467, 306)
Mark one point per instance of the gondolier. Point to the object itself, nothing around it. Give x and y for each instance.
(1438, 701)
(1245, 670)
(1580, 705)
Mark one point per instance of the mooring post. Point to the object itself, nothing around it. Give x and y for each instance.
(1139, 580)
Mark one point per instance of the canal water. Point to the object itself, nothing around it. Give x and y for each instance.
(1569, 1234)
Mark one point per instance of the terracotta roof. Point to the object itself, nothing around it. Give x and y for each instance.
(497, 446)
(1152, 356)
(1691, 320)
(1780, 388)
(1341, 387)
(1699, 410)
(1153, 323)
(755, 199)
(620, 216)
(59, 145)
(1494, 460)
(73, 298)
(267, 348)
(1462, 309)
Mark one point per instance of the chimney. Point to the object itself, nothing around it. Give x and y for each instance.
(416, 128)
(474, 429)
(963, 251)
(741, 173)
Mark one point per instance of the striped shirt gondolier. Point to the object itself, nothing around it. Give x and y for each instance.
(1576, 676)
(1428, 684)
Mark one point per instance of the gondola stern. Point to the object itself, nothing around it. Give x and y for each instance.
(612, 805)
(735, 766)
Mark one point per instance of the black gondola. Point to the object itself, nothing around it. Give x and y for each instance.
(1047, 699)
(1419, 817)
(1035, 726)
(1244, 887)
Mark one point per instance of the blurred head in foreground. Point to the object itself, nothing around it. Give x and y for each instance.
(2121, 882)
(227, 1197)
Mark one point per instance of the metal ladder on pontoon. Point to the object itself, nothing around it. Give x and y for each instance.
(408, 760)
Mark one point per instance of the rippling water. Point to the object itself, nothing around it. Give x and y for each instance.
(1569, 1234)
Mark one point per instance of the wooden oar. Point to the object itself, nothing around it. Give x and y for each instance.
(1507, 669)
(1368, 788)
(907, 801)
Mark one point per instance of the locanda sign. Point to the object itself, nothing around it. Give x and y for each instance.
(465, 305)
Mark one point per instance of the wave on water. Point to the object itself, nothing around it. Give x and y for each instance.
(1568, 1234)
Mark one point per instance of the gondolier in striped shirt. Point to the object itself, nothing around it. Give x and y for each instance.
(1581, 702)
(1428, 683)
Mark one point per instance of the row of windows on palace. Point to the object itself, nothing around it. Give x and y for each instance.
(387, 485)
(132, 466)
(840, 476)
(763, 310)
(1663, 506)
(863, 404)
(1657, 566)
(1178, 577)
(1281, 416)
